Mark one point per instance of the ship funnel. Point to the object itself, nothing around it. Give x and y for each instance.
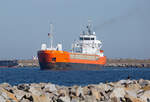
(43, 47)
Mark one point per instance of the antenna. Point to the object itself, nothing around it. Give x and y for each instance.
(89, 26)
(89, 22)
(82, 30)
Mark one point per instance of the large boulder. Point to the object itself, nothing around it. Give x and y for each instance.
(50, 88)
(65, 98)
(5, 85)
(106, 87)
(143, 83)
(41, 98)
(79, 91)
(36, 91)
(125, 82)
(130, 92)
(24, 87)
(95, 93)
(5, 95)
(131, 98)
(86, 90)
(146, 88)
(62, 92)
(24, 100)
(2, 99)
(118, 92)
(146, 96)
(90, 99)
(19, 94)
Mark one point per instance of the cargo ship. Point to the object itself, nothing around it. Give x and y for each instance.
(8, 63)
(86, 53)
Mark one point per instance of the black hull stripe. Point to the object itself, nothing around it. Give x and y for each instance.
(69, 66)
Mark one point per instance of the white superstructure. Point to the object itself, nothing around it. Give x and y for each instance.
(87, 43)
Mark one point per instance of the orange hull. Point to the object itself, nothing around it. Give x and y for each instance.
(52, 59)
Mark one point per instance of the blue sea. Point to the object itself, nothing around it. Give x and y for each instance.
(16, 76)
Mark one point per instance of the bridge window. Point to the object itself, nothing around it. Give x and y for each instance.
(81, 38)
(92, 38)
(86, 38)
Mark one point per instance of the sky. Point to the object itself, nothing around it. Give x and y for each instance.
(122, 25)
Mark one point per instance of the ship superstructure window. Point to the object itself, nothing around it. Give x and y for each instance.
(92, 38)
(86, 38)
(81, 38)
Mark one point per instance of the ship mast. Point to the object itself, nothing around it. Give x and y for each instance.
(51, 36)
(89, 27)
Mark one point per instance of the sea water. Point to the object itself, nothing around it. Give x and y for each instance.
(16, 76)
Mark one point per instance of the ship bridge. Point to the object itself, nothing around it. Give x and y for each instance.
(87, 43)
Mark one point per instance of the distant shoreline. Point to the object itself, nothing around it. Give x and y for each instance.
(136, 63)
(125, 63)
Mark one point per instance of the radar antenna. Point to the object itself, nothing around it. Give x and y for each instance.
(89, 27)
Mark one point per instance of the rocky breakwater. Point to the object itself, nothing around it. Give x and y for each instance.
(121, 91)
(134, 63)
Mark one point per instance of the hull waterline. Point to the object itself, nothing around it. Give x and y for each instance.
(69, 66)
